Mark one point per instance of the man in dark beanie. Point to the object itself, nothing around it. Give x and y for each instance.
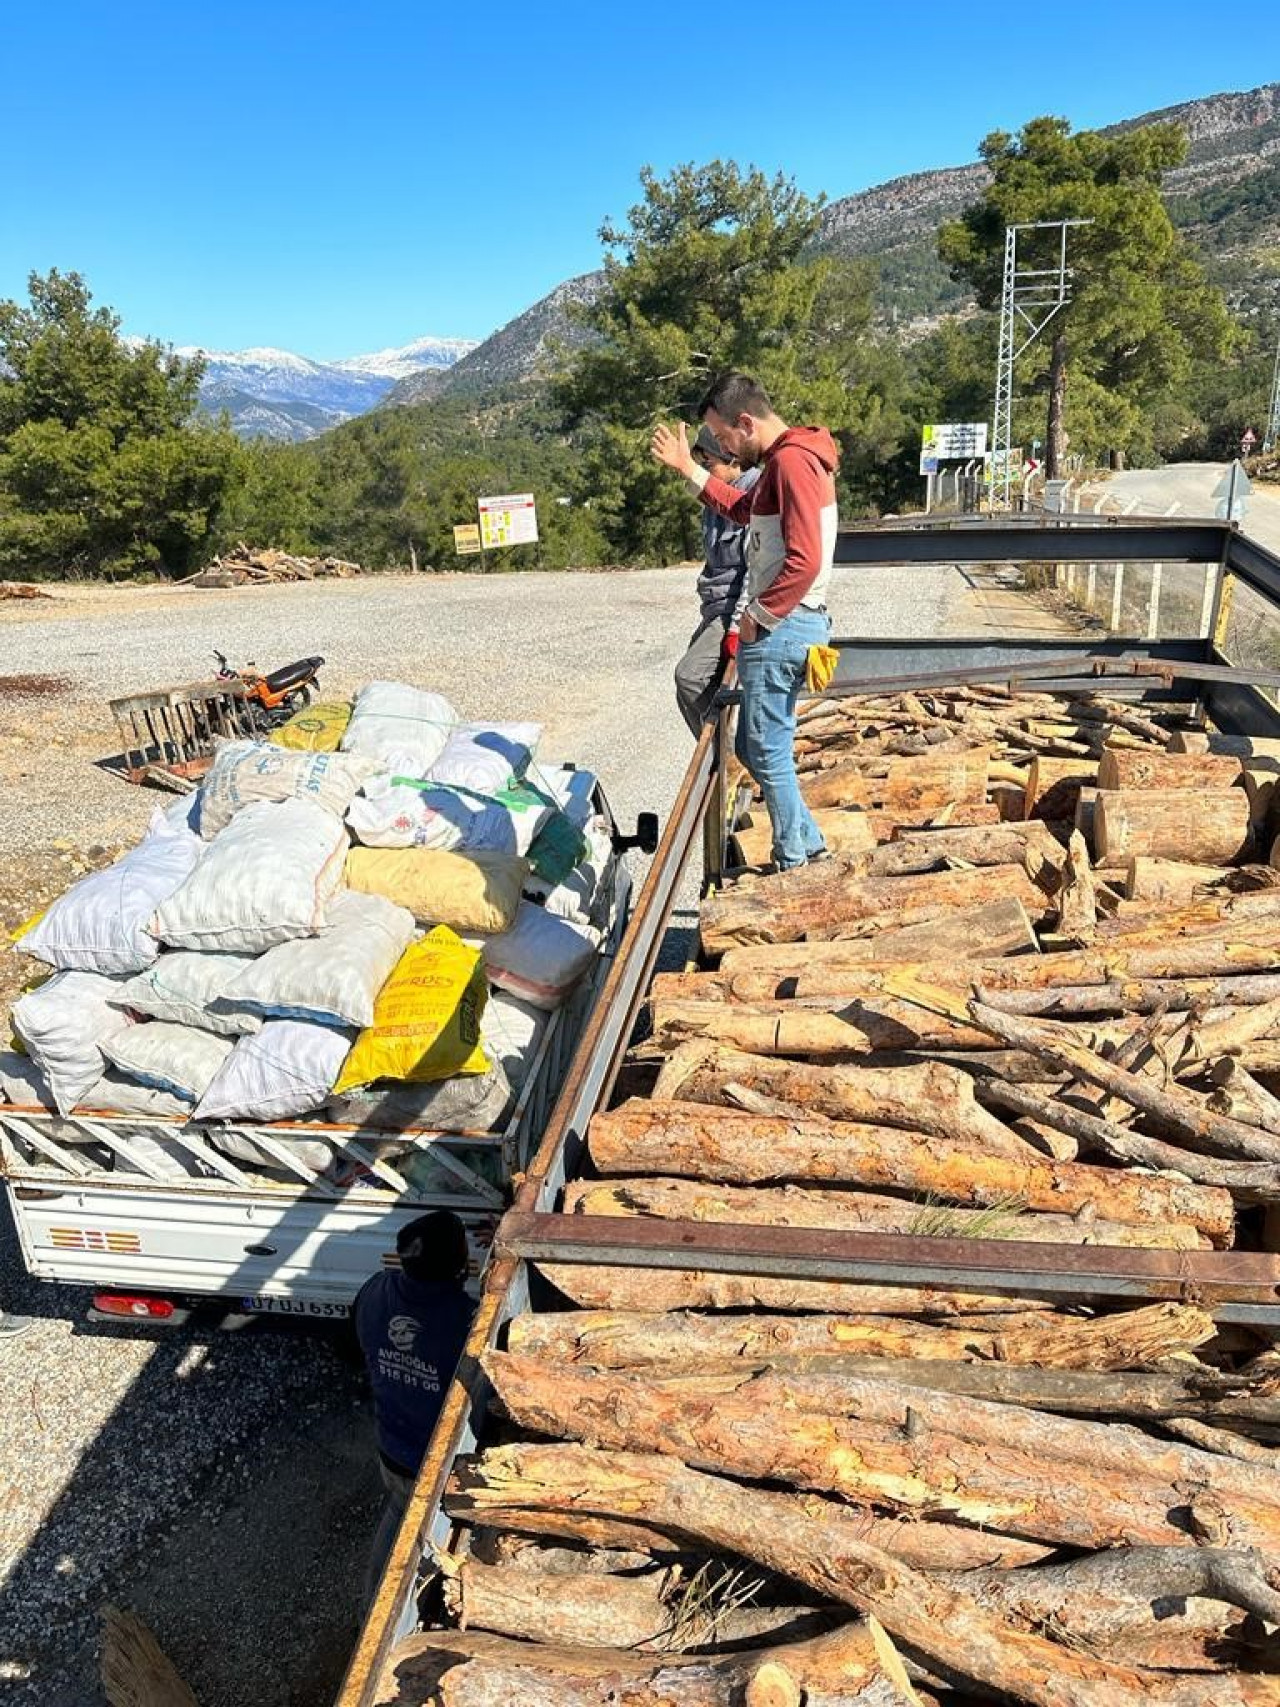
(412, 1324)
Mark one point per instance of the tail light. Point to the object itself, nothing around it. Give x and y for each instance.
(132, 1305)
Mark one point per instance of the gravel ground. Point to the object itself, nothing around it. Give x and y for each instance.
(222, 1482)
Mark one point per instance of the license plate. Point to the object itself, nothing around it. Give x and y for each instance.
(266, 1305)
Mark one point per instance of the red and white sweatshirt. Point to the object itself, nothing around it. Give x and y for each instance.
(791, 516)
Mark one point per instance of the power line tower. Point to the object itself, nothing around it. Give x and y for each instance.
(1028, 302)
(1271, 435)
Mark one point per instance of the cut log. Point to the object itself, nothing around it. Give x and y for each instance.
(844, 832)
(460, 1669)
(655, 1611)
(932, 1097)
(914, 851)
(996, 930)
(1082, 818)
(596, 1286)
(1053, 786)
(1250, 1182)
(1207, 772)
(1238, 746)
(843, 784)
(673, 1340)
(1001, 1467)
(1156, 1606)
(946, 1626)
(935, 782)
(1077, 899)
(695, 1141)
(1168, 880)
(1178, 1110)
(1240, 1095)
(858, 1211)
(1222, 1440)
(820, 899)
(1201, 828)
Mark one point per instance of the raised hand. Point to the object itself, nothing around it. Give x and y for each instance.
(672, 448)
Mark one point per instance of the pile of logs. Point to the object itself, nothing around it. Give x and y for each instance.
(243, 567)
(1021, 1003)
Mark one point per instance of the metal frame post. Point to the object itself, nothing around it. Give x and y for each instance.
(1271, 436)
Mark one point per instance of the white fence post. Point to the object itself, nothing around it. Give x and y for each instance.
(1117, 595)
(1153, 603)
(1206, 605)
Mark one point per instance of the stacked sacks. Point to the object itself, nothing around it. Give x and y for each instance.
(224, 969)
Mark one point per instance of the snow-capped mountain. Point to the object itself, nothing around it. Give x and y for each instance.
(277, 394)
(423, 353)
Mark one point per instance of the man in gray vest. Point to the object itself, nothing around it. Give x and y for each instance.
(721, 589)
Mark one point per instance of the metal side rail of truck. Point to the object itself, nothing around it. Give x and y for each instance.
(1236, 1286)
(156, 1221)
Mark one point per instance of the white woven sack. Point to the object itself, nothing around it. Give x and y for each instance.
(286, 1069)
(247, 771)
(574, 791)
(405, 729)
(268, 877)
(387, 814)
(333, 978)
(511, 1032)
(182, 987)
(483, 756)
(584, 894)
(100, 925)
(181, 1059)
(21, 1081)
(64, 1025)
(541, 957)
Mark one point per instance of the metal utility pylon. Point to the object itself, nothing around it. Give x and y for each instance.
(1028, 302)
(1271, 436)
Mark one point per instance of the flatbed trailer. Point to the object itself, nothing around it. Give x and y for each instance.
(1232, 694)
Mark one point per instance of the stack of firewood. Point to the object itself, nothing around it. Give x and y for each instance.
(1019, 1004)
(242, 567)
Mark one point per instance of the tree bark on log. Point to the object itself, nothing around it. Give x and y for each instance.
(1199, 828)
(1178, 1110)
(459, 1669)
(914, 851)
(671, 1340)
(1257, 1182)
(1241, 1096)
(1077, 899)
(1171, 1607)
(1048, 1478)
(654, 1611)
(931, 1097)
(1053, 786)
(856, 1211)
(1162, 880)
(996, 930)
(1238, 746)
(695, 1141)
(821, 899)
(598, 1286)
(847, 833)
(1203, 772)
(941, 1623)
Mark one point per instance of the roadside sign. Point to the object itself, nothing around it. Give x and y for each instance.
(953, 441)
(509, 520)
(928, 465)
(1249, 439)
(1231, 494)
(466, 539)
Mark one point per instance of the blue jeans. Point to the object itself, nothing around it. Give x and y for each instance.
(771, 673)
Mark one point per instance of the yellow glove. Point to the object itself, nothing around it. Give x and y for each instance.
(820, 668)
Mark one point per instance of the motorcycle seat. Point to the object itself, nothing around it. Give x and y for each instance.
(292, 675)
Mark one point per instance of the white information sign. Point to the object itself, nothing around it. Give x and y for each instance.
(508, 520)
(953, 441)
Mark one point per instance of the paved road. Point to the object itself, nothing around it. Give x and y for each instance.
(1191, 486)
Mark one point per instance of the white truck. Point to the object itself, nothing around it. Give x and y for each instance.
(156, 1221)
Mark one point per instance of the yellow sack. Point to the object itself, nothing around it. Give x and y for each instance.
(426, 1019)
(478, 893)
(820, 668)
(318, 728)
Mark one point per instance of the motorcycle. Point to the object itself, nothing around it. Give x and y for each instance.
(274, 698)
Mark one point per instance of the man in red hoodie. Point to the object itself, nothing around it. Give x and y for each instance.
(791, 514)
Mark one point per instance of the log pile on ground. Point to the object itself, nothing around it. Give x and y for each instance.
(243, 567)
(23, 590)
(974, 1021)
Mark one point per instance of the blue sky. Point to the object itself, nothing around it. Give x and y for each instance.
(338, 179)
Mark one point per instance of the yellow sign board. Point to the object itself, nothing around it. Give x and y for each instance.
(466, 539)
